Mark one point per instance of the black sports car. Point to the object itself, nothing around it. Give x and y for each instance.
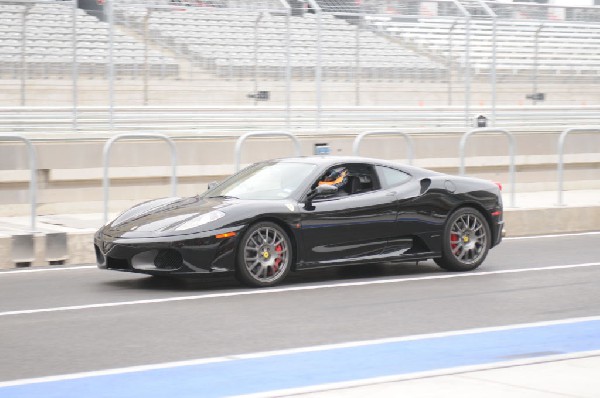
(299, 213)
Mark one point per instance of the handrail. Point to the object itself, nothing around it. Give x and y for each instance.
(511, 154)
(561, 147)
(33, 170)
(240, 141)
(106, 153)
(409, 148)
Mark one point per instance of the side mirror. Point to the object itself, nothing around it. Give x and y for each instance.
(320, 191)
(212, 184)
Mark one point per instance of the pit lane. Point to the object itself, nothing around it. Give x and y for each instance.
(126, 320)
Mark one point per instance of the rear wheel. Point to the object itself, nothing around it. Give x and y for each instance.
(264, 255)
(466, 241)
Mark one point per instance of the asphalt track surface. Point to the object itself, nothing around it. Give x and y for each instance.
(56, 322)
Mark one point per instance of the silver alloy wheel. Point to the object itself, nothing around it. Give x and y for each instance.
(468, 239)
(266, 254)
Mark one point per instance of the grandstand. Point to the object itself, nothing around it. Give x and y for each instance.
(218, 52)
(49, 47)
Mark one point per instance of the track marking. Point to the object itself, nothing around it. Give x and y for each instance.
(420, 375)
(552, 236)
(292, 289)
(32, 270)
(328, 347)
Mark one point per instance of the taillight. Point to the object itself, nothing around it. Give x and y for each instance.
(498, 184)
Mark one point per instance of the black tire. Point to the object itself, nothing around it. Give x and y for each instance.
(264, 255)
(465, 242)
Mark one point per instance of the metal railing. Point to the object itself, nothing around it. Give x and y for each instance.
(237, 119)
(240, 142)
(561, 146)
(105, 158)
(511, 154)
(33, 170)
(409, 142)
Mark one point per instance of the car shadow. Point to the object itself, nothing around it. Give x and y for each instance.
(228, 282)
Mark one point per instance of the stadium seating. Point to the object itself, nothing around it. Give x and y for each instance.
(563, 48)
(224, 42)
(48, 49)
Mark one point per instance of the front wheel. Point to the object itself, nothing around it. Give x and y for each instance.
(264, 255)
(466, 241)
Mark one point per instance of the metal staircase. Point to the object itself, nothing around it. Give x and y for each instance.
(476, 8)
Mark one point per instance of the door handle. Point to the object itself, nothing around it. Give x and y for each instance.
(392, 193)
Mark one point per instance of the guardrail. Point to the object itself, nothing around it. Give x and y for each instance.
(33, 170)
(240, 141)
(409, 148)
(561, 146)
(241, 118)
(511, 154)
(106, 153)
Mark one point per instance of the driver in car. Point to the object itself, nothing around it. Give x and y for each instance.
(337, 177)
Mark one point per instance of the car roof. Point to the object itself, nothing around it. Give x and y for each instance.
(326, 160)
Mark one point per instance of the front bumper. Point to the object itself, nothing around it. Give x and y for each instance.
(179, 255)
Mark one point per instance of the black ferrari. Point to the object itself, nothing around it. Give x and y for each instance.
(292, 214)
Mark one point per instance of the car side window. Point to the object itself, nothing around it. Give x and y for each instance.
(350, 179)
(391, 177)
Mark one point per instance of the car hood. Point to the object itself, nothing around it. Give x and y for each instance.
(165, 217)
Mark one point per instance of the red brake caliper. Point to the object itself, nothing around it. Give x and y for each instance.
(453, 241)
(278, 249)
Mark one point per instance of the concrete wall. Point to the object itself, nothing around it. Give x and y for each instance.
(70, 171)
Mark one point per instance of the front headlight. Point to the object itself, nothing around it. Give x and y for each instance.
(200, 220)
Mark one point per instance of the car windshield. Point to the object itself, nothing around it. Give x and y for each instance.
(270, 180)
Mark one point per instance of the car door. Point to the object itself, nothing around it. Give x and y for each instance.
(349, 228)
(418, 220)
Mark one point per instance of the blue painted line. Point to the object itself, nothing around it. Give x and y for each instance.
(296, 370)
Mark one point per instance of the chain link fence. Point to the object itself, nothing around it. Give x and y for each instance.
(479, 55)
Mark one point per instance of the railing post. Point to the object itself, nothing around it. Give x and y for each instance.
(511, 154)
(409, 142)
(561, 146)
(33, 170)
(240, 141)
(106, 153)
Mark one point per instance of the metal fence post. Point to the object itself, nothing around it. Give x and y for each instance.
(33, 170)
(561, 147)
(318, 68)
(75, 66)
(240, 141)
(467, 60)
(494, 17)
(536, 56)
(407, 138)
(511, 154)
(106, 153)
(288, 66)
(111, 63)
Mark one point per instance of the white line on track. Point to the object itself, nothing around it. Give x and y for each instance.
(33, 270)
(325, 347)
(553, 236)
(294, 289)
